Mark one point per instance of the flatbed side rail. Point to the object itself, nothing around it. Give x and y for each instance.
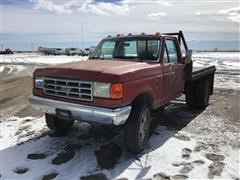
(203, 72)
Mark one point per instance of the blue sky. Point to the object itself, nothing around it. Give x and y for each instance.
(60, 21)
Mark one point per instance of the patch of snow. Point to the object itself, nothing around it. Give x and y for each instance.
(22, 136)
(227, 81)
(232, 64)
(15, 127)
(10, 69)
(39, 59)
(163, 151)
(198, 64)
(1, 68)
(222, 60)
(19, 68)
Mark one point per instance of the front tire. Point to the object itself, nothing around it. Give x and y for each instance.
(137, 128)
(57, 124)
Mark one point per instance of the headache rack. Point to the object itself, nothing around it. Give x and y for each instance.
(188, 54)
(180, 38)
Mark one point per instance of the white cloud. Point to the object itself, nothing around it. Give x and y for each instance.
(198, 13)
(58, 6)
(90, 6)
(164, 3)
(104, 8)
(85, 6)
(155, 16)
(232, 14)
(128, 16)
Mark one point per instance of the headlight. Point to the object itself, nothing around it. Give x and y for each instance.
(101, 89)
(39, 82)
(107, 90)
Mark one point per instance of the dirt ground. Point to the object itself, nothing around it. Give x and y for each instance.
(217, 126)
(224, 103)
(15, 90)
(16, 86)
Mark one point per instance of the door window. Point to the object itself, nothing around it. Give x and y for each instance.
(171, 51)
(165, 56)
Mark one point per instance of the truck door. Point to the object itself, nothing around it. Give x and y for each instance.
(173, 69)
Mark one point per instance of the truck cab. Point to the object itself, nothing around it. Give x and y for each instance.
(125, 78)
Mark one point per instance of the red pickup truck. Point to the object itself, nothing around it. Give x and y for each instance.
(125, 78)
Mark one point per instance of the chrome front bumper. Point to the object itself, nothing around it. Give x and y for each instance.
(81, 112)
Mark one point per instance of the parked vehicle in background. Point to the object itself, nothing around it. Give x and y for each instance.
(6, 51)
(125, 79)
(87, 52)
(73, 51)
(51, 51)
(59, 51)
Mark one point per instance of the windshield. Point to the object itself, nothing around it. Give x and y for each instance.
(129, 49)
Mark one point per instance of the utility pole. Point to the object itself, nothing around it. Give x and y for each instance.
(82, 35)
(2, 46)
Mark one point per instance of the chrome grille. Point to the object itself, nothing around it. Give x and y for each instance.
(72, 89)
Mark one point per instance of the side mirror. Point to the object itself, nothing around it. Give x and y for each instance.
(188, 58)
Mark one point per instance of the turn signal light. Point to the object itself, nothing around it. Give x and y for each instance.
(116, 91)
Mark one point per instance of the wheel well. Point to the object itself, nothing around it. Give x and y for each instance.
(144, 97)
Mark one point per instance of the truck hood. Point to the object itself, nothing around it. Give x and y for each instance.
(104, 66)
(95, 69)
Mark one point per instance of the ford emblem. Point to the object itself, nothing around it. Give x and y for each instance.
(65, 89)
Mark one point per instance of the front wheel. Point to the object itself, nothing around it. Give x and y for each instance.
(57, 124)
(137, 128)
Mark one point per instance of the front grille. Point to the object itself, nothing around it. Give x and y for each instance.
(72, 89)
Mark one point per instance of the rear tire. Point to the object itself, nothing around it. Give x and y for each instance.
(190, 95)
(56, 124)
(137, 128)
(202, 94)
(197, 94)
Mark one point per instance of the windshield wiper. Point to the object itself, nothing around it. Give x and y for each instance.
(120, 57)
(97, 58)
(128, 58)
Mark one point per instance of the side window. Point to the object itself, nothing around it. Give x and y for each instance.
(165, 56)
(172, 51)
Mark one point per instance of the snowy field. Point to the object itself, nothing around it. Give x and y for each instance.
(186, 144)
(228, 64)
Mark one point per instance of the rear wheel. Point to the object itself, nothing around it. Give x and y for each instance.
(57, 124)
(137, 128)
(190, 94)
(202, 94)
(197, 94)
